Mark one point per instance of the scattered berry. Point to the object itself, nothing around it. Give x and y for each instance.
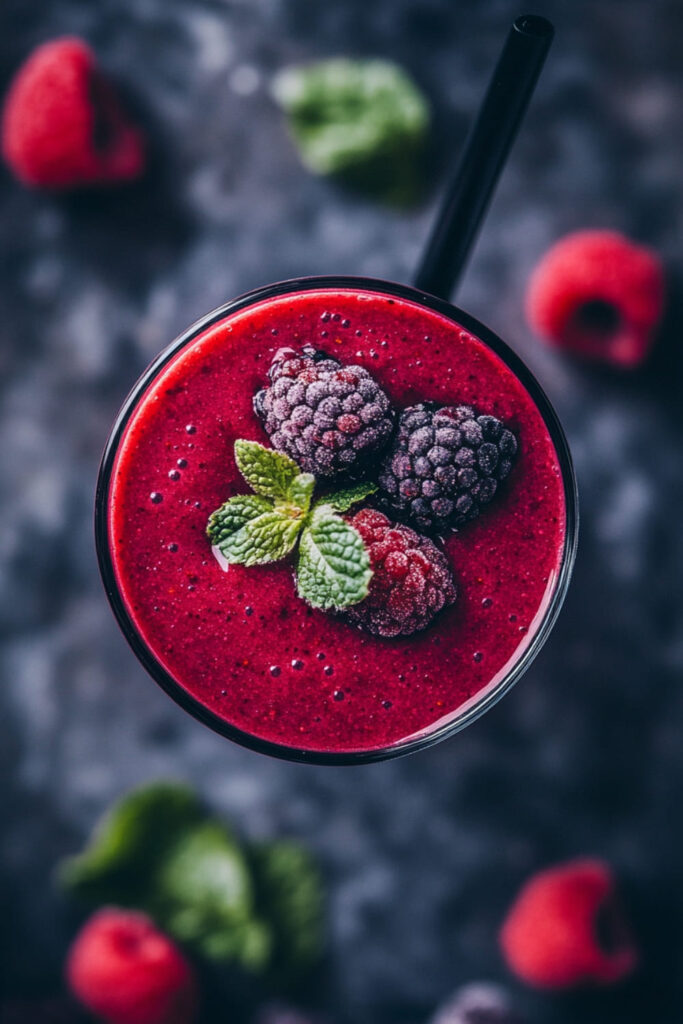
(63, 126)
(477, 1004)
(278, 1013)
(411, 581)
(445, 464)
(125, 971)
(566, 928)
(597, 294)
(327, 417)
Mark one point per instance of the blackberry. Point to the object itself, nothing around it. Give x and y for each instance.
(411, 583)
(445, 464)
(329, 418)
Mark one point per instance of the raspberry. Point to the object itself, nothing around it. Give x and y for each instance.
(62, 124)
(477, 1004)
(445, 464)
(125, 971)
(411, 581)
(329, 418)
(598, 295)
(566, 928)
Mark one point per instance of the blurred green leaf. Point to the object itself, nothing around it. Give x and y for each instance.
(128, 843)
(362, 120)
(258, 908)
(203, 896)
(289, 895)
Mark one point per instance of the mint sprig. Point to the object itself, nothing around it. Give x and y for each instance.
(301, 490)
(267, 538)
(333, 570)
(333, 566)
(342, 501)
(255, 907)
(267, 472)
(232, 517)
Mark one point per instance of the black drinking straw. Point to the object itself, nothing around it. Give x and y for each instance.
(483, 158)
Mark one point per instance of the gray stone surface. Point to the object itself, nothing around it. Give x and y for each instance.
(585, 756)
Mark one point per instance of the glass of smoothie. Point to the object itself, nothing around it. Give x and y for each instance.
(382, 410)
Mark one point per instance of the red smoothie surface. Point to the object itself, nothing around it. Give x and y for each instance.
(241, 642)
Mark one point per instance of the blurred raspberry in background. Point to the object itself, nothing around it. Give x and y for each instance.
(63, 126)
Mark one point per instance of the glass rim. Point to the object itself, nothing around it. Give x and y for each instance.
(474, 708)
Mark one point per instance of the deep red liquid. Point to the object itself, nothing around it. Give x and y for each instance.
(241, 642)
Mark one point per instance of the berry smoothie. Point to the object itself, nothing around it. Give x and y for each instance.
(239, 648)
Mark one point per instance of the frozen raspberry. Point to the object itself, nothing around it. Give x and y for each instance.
(445, 464)
(599, 295)
(125, 971)
(566, 928)
(63, 126)
(329, 418)
(411, 583)
(477, 1004)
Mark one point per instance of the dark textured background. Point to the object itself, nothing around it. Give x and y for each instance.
(585, 756)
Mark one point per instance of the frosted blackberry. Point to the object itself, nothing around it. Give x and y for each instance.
(445, 464)
(329, 418)
(411, 582)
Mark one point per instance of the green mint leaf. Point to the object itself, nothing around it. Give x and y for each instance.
(289, 895)
(204, 898)
(333, 570)
(128, 842)
(267, 538)
(342, 501)
(268, 473)
(234, 515)
(301, 491)
(363, 120)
